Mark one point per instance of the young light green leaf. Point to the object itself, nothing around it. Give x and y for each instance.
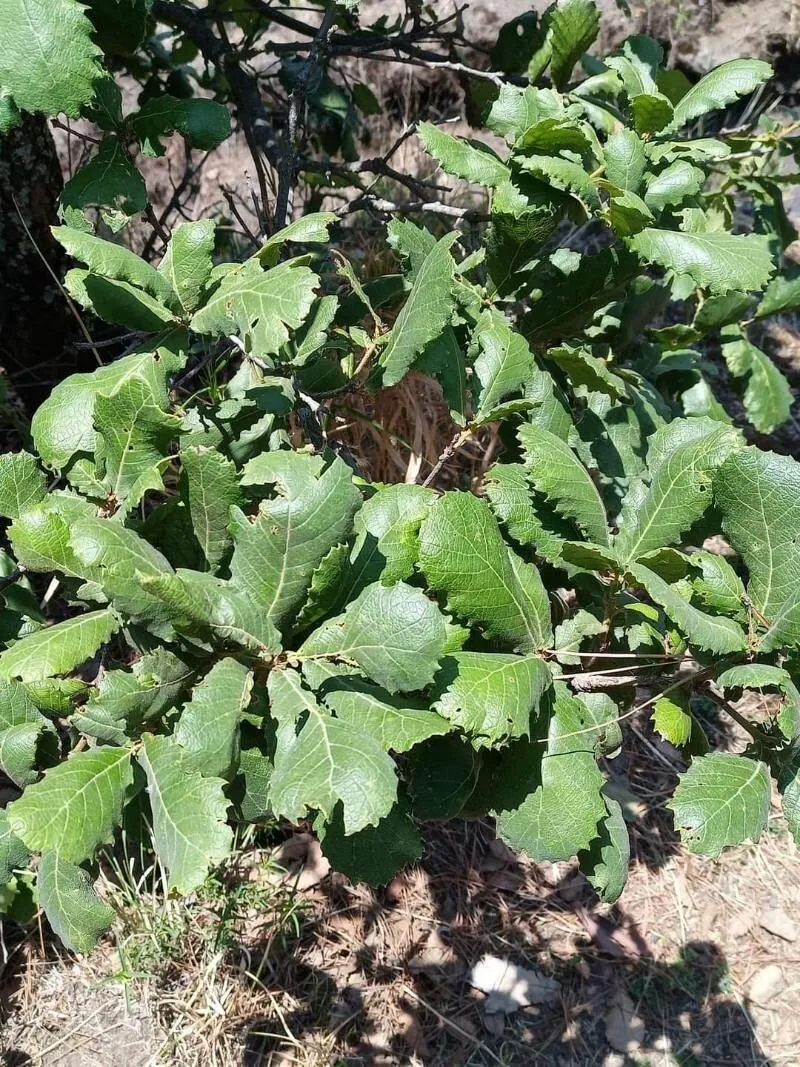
(425, 313)
(716, 261)
(73, 909)
(469, 160)
(386, 547)
(625, 160)
(782, 294)
(212, 489)
(491, 696)
(682, 461)
(721, 800)
(260, 306)
(671, 186)
(720, 87)
(714, 633)
(190, 832)
(572, 632)
(503, 365)
(58, 649)
(329, 761)
(395, 634)
(672, 717)
(463, 555)
(188, 261)
(557, 473)
(768, 398)
(208, 729)
(311, 229)
(76, 807)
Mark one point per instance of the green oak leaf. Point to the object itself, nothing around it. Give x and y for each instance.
(714, 633)
(48, 61)
(208, 728)
(491, 696)
(758, 494)
(73, 909)
(276, 553)
(78, 804)
(424, 315)
(560, 815)
(190, 831)
(394, 634)
(259, 306)
(212, 489)
(58, 649)
(484, 581)
(328, 761)
(721, 800)
(472, 161)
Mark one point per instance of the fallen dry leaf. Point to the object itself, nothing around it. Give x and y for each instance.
(624, 1028)
(509, 987)
(777, 922)
(303, 860)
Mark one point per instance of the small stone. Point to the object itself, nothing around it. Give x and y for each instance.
(767, 983)
(778, 923)
(624, 1028)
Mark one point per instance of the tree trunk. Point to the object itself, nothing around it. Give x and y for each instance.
(33, 312)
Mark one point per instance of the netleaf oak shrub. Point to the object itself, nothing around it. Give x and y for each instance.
(237, 626)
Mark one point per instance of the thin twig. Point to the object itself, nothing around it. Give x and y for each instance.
(62, 290)
(457, 442)
(296, 118)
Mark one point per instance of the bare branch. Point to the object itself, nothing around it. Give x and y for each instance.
(295, 121)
